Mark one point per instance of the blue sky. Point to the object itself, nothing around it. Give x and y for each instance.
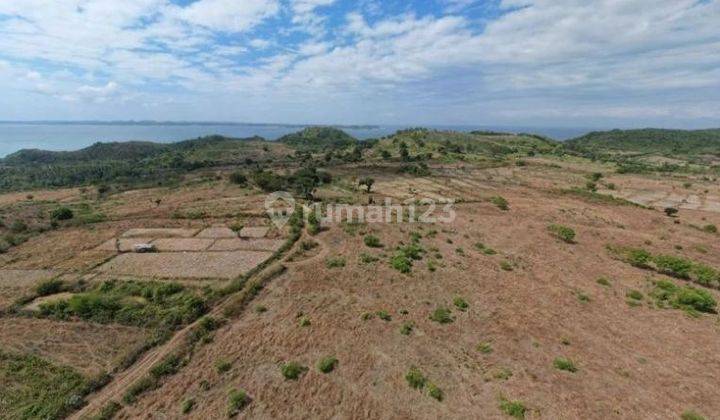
(604, 63)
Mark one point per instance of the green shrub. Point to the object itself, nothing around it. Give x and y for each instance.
(368, 259)
(168, 366)
(406, 328)
(327, 364)
(222, 366)
(485, 348)
(514, 409)
(697, 299)
(506, 266)
(304, 322)
(460, 303)
(237, 400)
(384, 315)
(62, 213)
(604, 282)
(138, 388)
(434, 391)
(187, 406)
(562, 363)
(563, 233)
(372, 241)
(335, 262)
(108, 411)
(710, 229)
(292, 370)
(442, 315)
(635, 295)
(401, 263)
(674, 266)
(500, 202)
(238, 178)
(18, 226)
(415, 378)
(691, 415)
(49, 287)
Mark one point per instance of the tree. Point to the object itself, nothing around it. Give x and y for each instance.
(404, 153)
(367, 182)
(671, 211)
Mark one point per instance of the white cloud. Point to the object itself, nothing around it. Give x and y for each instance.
(229, 15)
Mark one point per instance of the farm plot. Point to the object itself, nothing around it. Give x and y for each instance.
(89, 348)
(190, 265)
(160, 233)
(15, 283)
(254, 232)
(182, 244)
(217, 232)
(247, 245)
(123, 244)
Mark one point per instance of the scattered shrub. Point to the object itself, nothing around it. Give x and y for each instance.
(62, 213)
(304, 322)
(237, 400)
(406, 328)
(604, 282)
(49, 287)
(562, 363)
(485, 347)
(500, 202)
(691, 415)
(506, 266)
(384, 315)
(514, 409)
(335, 262)
(460, 303)
(415, 378)
(434, 391)
(238, 178)
(442, 315)
(671, 211)
(674, 266)
(292, 370)
(372, 241)
(187, 406)
(222, 366)
(710, 229)
(564, 233)
(327, 364)
(635, 295)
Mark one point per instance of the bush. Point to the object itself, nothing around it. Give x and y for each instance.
(49, 287)
(562, 363)
(691, 415)
(442, 315)
(513, 408)
(62, 213)
(18, 226)
(406, 328)
(500, 202)
(415, 378)
(327, 364)
(434, 391)
(292, 370)
(603, 282)
(222, 366)
(384, 315)
(335, 262)
(401, 263)
(697, 299)
(372, 241)
(187, 406)
(460, 303)
(635, 295)
(673, 266)
(237, 400)
(710, 229)
(564, 233)
(238, 178)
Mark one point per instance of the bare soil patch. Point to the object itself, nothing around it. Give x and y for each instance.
(123, 244)
(35, 304)
(159, 233)
(217, 232)
(254, 232)
(182, 244)
(247, 245)
(199, 265)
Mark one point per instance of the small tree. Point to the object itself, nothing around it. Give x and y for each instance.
(671, 211)
(367, 182)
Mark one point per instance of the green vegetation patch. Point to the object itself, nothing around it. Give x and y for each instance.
(33, 388)
(135, 303)
(690, 299)
(292, 370)
(564, 233)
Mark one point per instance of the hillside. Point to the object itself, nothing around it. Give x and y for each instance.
(131, 150)
(648, 141)
(318, 138)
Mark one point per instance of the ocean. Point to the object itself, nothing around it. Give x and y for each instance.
(60, 136)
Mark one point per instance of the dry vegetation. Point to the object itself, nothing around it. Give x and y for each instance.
(555, 293)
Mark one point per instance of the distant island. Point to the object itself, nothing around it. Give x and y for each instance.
(186, 123)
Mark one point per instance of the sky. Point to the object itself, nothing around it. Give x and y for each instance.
(562, 63)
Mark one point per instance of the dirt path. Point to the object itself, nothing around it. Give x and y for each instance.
(115, 390)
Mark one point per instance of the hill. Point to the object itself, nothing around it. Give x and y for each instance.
(650, 140)
(99, 151)
(317, 138)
